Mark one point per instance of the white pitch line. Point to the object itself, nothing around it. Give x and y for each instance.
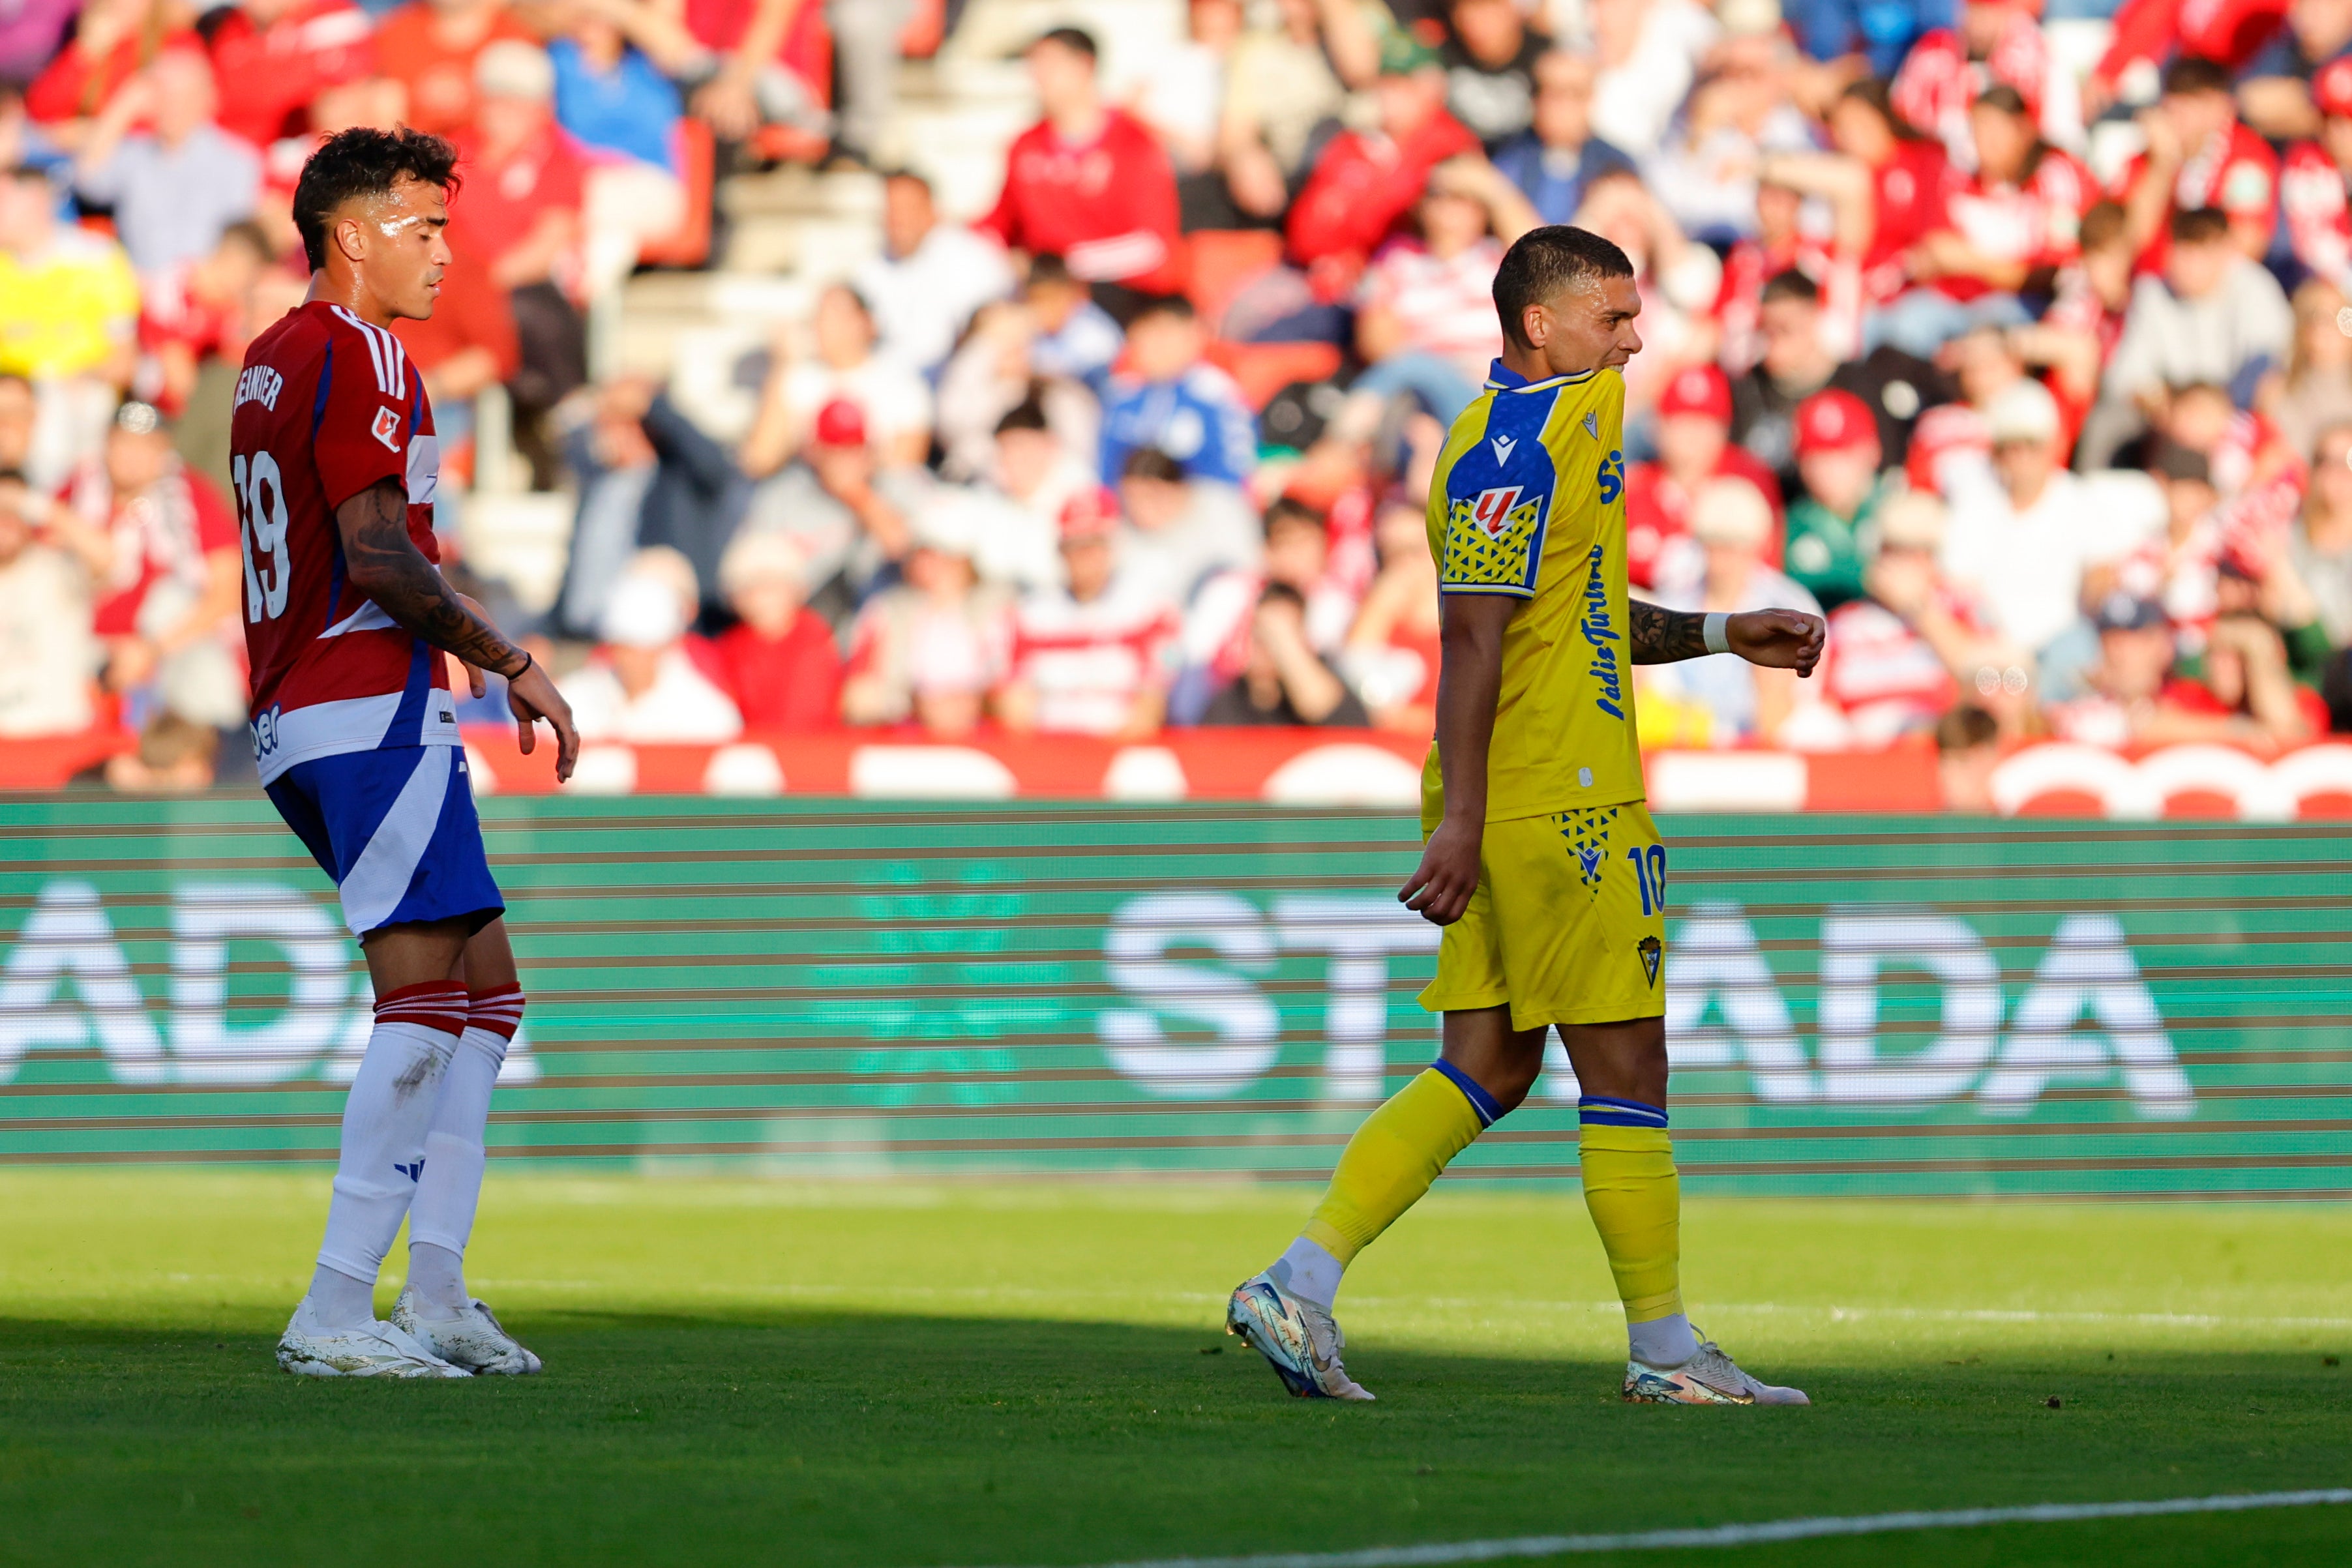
(1439, 1553)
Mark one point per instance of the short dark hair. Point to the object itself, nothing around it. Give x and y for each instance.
(2002, 97)
(1965, 727)
(2193, 73)
(364, 161)
(2200, 225)
(1173, 306)
(2102, 225)
(250, 235)
(1287, 509)
(1877, 95)
(1543, 263)
(1151, 463)
(1282, 593)
(1047, 269)
(13, 476)
(1790, 284)
(1029, 413)
(1077, 40)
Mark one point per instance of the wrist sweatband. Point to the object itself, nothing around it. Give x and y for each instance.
(1712, 632)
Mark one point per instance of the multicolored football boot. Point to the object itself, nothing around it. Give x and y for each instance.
(1710, 1377)
(1297, 1337)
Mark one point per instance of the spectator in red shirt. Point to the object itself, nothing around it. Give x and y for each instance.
(273, 56)
(200, 310)
(2314, 181)
(1904, 652)
(1088, 184)
(2229, 33)
(113, 40)
(781, 665)
(429, 48)
(1910, 180)
(2018, 219)
(1998, 43)
(519, 218)
(1367, 181)
(1694, 441)
(2198, 155)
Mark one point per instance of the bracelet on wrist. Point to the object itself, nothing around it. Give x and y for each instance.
(526, 661)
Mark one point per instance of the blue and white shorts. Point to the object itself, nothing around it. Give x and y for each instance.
(395, 828)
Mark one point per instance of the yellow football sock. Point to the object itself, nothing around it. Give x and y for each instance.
(1394, 1157)
(1635, 1197)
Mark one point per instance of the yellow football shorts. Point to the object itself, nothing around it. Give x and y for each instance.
(1568, 925)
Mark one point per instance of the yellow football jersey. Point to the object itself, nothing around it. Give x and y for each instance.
(1529, 500)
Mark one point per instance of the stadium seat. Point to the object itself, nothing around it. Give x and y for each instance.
(1264, 369)
(1223, 262)
(688, 245)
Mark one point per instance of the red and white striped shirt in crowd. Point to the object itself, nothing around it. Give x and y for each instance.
(326, 407)
(1948, 436)
(1938, 82)
(2179, 574)
(2035, 223)
(1088, 663)
(2312, 198)
(1445, 305)
(1738, 303)
(162, 535)
(2079, 309)
(1882, 674)
(2236, 172)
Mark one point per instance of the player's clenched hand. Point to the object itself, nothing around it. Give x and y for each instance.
(531, 695)
(1440, 887)
(1777, 639)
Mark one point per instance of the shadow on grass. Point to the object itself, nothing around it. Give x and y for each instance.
(860, 1439)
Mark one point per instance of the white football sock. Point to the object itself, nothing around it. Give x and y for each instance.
(384, 1121)
(441, 1219)
(339, 1301)
(1309, 1271)
(1662, 1342)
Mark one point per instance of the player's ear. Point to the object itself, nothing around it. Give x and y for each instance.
(1535, 325)
(350, 235)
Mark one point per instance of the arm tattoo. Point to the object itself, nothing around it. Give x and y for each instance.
(1666, 636)
(385, 563)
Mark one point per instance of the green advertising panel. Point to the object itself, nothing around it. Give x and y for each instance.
(1855, 1004)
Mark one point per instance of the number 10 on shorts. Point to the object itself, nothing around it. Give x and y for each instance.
(1650, 871)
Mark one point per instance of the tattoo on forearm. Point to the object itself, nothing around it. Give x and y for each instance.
(1666, 636)
(404, 585)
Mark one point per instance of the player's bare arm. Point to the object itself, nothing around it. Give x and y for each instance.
(1469, 682)
(385, 564)
(1774, 639)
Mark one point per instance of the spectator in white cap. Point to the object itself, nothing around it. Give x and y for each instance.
(641, 687)
(1732, 524)
(2024, 529)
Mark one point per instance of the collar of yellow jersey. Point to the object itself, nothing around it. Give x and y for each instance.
(1501, 378)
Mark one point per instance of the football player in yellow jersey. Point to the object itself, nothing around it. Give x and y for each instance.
(1540, 861)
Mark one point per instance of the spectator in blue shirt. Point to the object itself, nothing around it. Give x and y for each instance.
(1881, 30)
(616, 103)
(1172, 400)
(1555, 160)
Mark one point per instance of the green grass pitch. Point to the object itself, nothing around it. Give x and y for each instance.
(974, 1375)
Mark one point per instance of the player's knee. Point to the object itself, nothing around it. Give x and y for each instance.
(1511, 1083)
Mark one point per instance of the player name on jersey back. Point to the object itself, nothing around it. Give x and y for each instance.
(1528, 501)
(327, 407)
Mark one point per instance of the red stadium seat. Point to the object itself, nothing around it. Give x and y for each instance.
(1223, 262)
(1264, 369)
(689, 244)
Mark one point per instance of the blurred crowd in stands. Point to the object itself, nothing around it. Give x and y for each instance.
(2014, 342)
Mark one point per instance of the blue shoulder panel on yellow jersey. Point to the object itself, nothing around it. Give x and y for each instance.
(1498, 496)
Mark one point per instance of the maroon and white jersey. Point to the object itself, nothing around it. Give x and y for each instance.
(326, 407)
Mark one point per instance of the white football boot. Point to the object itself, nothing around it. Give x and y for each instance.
(373, 1350)
(1298, 1339)
(474, 1340)
(1710, 1377)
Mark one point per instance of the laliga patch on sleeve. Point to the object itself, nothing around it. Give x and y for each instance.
(386, 428)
